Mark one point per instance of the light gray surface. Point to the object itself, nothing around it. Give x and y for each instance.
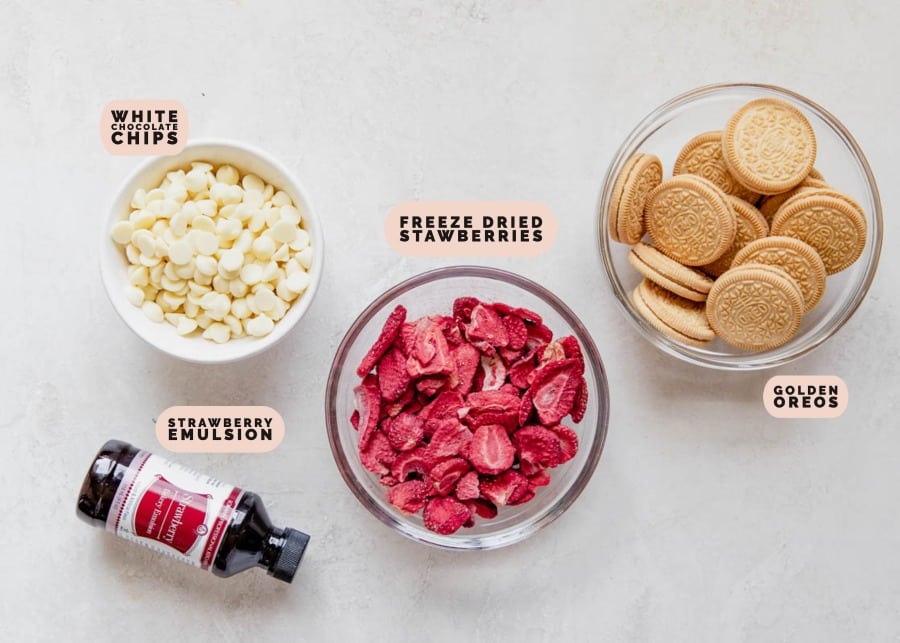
(706, 520)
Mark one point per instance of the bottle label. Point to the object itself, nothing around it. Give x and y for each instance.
(172, 509)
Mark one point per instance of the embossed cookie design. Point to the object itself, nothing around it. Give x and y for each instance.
(702, 156)
(755, 307)
(690, 219)
(751, 225)
(833, 226)
(769, 146)
(796, 258)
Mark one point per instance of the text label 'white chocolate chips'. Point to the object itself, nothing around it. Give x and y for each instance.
(214, 252)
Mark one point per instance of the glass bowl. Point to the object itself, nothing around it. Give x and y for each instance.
(664, 132)
(433, 293)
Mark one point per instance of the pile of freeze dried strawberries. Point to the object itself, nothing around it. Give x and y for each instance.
(462, 414)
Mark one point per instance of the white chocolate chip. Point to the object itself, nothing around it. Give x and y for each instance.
(134, 295)
(122, 232)
(253, 182)
(264, 299)
(186, 325)
(259, 326)
(305, 257)
(298, 282)
(206, 243)
(251, 274)
(281, 198)
(263, 248)
(181, 252)
(227, 174)
(152, 311)
(217, 332)
(231, 261)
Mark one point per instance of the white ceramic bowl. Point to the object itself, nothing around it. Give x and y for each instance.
(113, 264)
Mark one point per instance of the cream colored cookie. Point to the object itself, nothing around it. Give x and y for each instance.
(668, 273)
(702, 156)
(639, 176)
(835, 227)
(690, 219)
(755, 307)
(796, 258)
(769, 146)
(672, 315)
(770, 205)
(751, 225)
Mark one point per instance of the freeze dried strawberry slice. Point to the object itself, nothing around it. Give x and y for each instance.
(462, 308)
(368, 403)
(494, 372)
(516, 330)
(430, 354)
(568, 442)
(491, 451)
(405, 403)
(486, 328)
(509, 355)
(431, 385)
(579, 407)
(378, 456)
(410, 463)
(354, 419)
(571, 347)
(523, 494)
(388, 480)
(492, 407)
(467, 359)
(520, 370)
(553, 389)
(537, 445)
(509, 485)
(467, 487)
(405, 431)
(445, 474)
(539, 479)
(448, 404)
(409, 497)
(388, 335)
(538, 334)
(529, 316)
(483, 508)
(449, 435)
(525, 408)
(529, 468)
(501, 309)
(553, 352)
(393, 379)
(445, 515)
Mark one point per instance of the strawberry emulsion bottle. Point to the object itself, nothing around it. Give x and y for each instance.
(185, 515)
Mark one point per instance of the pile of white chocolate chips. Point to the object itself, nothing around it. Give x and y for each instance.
(213, 250)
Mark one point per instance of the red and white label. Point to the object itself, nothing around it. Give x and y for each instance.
(172, 509)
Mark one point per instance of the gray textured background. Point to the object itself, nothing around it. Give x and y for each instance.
(706, 520)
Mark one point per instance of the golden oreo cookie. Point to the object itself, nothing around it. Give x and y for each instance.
(835, 227)
(640, 174)
(796, 258)
(769, 146)
(702, 156)
(672, 315)
(755, 307)
(751, 225)
(690, 219)
(668, 273)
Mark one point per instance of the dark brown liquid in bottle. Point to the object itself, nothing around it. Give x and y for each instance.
(249, 540)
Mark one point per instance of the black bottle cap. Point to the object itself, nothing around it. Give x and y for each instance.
(285, 566)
